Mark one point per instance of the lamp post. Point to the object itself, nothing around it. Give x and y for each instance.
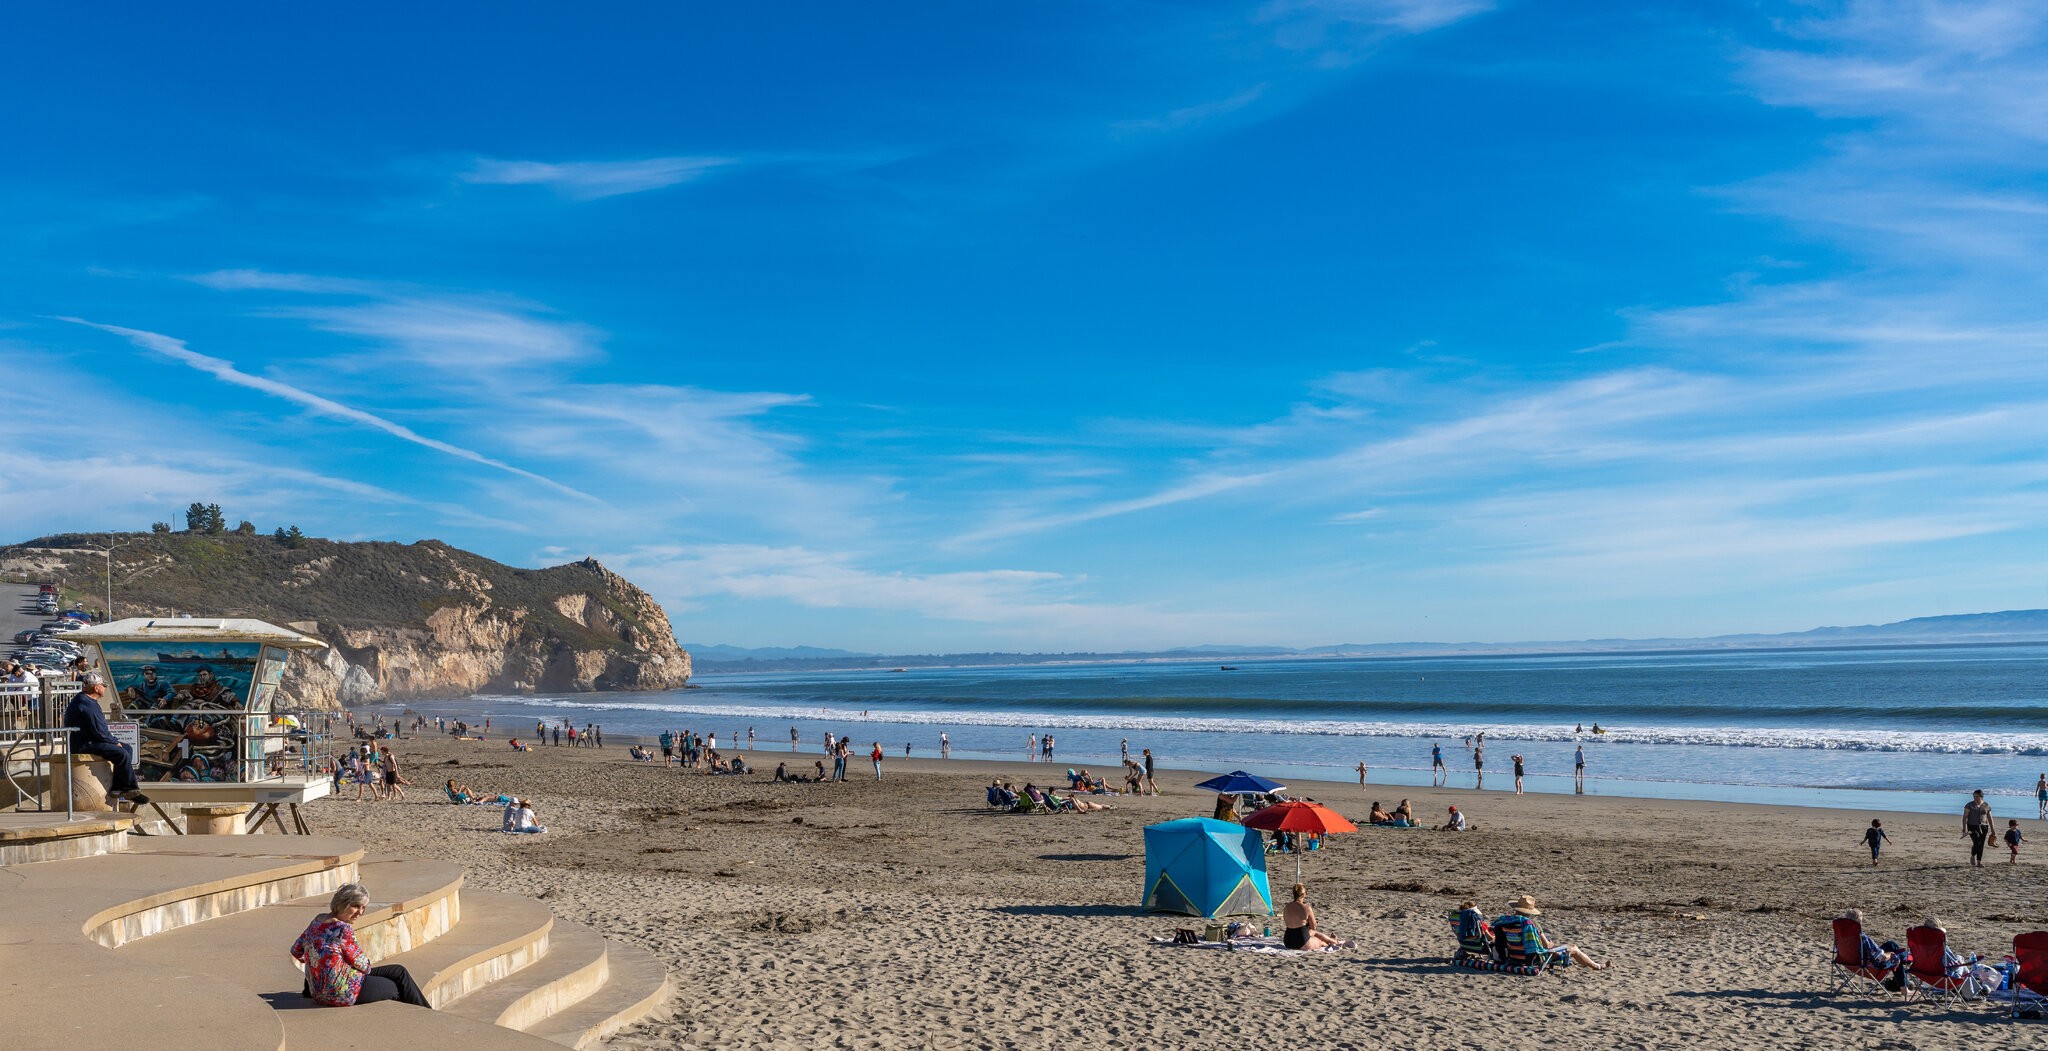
(110, 580)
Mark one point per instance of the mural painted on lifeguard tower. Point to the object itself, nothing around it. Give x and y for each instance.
(190, 702)
(146, 676)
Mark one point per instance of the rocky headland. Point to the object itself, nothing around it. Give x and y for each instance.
(401, 621)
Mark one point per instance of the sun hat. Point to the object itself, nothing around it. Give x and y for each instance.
(1526, 905)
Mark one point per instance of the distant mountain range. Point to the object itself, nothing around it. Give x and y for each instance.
(2018, 625)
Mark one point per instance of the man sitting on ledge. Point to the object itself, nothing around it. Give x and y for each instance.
(91, 736)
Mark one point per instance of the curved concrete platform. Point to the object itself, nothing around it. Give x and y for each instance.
(199, 928)
(29, 838)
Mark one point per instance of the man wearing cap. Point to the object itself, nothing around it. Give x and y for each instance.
(90, 736)
(1454, 823)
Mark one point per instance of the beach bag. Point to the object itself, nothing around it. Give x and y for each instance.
(1185, 936)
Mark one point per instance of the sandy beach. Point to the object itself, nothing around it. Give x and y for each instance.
(905, 914)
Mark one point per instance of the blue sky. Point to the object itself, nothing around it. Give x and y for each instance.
(1068, 326)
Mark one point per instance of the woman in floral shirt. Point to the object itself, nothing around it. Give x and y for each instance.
(338, 971)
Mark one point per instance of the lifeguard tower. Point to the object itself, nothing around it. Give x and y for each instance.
(199, 695)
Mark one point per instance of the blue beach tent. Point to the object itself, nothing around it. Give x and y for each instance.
(1204, 867)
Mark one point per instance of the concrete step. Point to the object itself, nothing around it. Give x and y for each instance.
(59, 921)
(413, 903)
(637, 986)
(499, 935)
(389, 1027)
(576, 966)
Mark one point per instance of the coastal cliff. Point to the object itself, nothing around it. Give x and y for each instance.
(401, 621)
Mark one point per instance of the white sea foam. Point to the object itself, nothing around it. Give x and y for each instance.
(1855, 740)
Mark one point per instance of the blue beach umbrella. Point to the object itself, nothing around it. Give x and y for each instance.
(1239, 783)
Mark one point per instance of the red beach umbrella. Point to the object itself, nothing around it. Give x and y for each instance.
(1298, 816)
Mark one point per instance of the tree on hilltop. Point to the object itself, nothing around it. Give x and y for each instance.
(159, 527)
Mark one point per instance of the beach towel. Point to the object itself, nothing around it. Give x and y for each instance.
(1257, 946)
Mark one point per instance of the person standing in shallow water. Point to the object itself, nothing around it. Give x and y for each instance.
(1579, 770)
(2041, 795)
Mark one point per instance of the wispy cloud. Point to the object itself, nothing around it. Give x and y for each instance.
(226, 371)
(1026, 604)
(1199, 113)
(591, 180)
(1340, 32)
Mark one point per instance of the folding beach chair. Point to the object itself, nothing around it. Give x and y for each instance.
(1475, 936)
(2030, 983)
(1520, 945)
(1926, 948)
(1848, 966)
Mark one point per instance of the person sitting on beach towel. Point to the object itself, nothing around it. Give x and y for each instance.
(1300, 920)
(1379, 816)
(519, 818)
(1404, 815)
(1521, 942)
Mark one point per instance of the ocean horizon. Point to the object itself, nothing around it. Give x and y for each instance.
(1894, 728)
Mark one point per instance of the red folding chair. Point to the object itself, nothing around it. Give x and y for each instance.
(1931, 980)
(2030, 985)
(1848, 966)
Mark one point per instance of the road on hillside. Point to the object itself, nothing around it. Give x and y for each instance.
(17, 611)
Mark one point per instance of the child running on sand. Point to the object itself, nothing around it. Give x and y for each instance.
(2012, 842)
(1875, 837)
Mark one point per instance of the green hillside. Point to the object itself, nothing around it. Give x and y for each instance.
(369, 584)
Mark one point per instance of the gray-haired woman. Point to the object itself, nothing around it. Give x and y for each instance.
(338, 971)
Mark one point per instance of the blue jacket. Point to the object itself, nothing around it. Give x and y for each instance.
(83, 715)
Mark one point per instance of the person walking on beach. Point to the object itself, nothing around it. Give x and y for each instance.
(1517, 757)
(1579, 770)
(1876, 839)
(1151, 785)
(750, 738)
(1031, 748)
(1977, 826)
(876, 755)
(839, 757)
(945, 746)
(1048, 748)
(1437, 773)
(2041, 795)
(1479, 767)
(1127, 758)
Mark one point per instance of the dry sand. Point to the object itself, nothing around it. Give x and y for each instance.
(904, 914)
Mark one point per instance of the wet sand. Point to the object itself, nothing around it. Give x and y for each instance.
(905, 914)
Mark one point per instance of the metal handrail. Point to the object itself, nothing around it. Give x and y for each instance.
(59, 737)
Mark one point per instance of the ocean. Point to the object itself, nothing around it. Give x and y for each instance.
(1899, 728)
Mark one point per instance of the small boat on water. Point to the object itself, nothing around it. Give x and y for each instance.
(1229, 667)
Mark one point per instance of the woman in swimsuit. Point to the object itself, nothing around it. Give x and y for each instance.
(1301, 930)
